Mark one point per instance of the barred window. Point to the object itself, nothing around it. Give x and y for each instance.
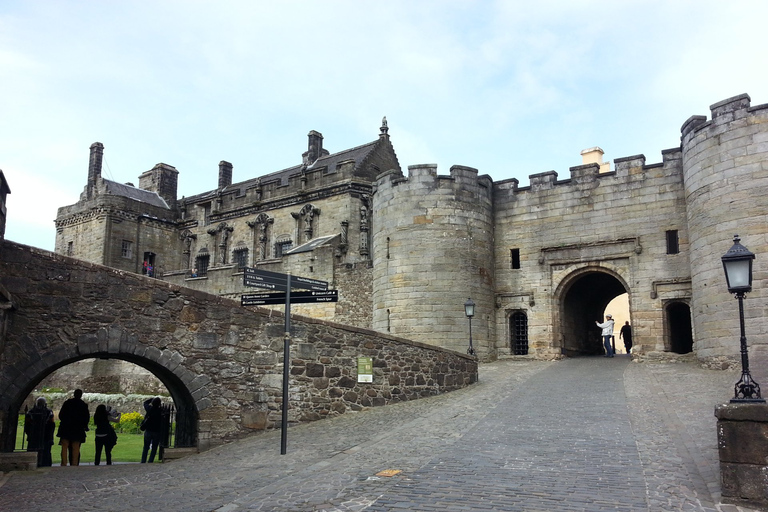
(282, 247)
(518, 332)
(201, 264)
(673, 246)
(126, 250)
(240, 257)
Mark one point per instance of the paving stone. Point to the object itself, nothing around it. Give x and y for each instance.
(580, 434)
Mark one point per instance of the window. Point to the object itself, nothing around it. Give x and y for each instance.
(206, 214)
(518, 333)
(126, 251)
(70, 248)
(514, 256)
(240, 257)
(282, 247)
(201, 264)
(673, 247)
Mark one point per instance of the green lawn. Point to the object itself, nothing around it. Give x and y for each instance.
(128, 448)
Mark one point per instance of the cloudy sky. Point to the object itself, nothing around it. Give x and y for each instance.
(512, 88)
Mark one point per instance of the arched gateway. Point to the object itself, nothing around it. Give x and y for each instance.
(581, 299)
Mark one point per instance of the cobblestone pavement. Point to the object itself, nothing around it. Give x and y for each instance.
(586, 434)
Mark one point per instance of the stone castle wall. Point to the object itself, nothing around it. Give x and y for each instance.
(725, 165)
(432, 250)
(614, 222)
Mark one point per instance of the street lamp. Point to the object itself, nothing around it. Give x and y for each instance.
(469, 310)
(737, 263)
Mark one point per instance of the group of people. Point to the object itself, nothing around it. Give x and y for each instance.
(74, 418)
(607, 333)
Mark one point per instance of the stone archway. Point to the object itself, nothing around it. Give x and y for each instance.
(580, 300)
(36, 369)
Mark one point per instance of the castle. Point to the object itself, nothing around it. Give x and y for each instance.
(540, 261)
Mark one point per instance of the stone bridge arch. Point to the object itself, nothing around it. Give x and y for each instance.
(579, 300)
(188, 391)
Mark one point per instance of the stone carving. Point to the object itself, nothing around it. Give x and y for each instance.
(261, 223)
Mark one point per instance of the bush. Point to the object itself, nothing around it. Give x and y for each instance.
(129, 423)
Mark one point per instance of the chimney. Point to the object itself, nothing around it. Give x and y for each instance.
(162, 179)
(225, 174)
(314, 149)
(94, 166)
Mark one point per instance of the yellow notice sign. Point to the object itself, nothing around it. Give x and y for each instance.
(364, 369)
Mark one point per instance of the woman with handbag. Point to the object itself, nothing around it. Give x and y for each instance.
(106, 437)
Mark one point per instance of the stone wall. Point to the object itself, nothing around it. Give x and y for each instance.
(725, 163)
(433, 244)
(222, 364)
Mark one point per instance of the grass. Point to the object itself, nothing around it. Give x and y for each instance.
(127, 449)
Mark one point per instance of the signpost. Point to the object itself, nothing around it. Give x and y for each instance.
(270, 299)
(283, 283)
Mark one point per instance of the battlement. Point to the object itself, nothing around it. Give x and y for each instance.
(723, 113)
(426, 174)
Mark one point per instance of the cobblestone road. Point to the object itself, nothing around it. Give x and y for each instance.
(586, 434)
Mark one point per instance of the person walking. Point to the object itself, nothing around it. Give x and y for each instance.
(607, 328)
(626, 335)
(152, 426)
(106, 438)
(39, 427)
(73, 423)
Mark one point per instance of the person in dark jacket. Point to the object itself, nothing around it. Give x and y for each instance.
(39, 427)
(153, 424)
(106, 438)
(626, 334)
(73, 423)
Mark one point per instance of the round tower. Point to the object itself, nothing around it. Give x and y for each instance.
(725, 169)
(432, 248)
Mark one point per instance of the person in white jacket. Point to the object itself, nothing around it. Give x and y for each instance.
(607, 328)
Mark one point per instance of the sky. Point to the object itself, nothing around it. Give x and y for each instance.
(510, 88)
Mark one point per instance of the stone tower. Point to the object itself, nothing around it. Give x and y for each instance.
(725, 168)
(433, 249)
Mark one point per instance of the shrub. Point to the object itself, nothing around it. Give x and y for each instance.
(129, 423)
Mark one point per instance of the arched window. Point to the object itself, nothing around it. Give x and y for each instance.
(518, 333)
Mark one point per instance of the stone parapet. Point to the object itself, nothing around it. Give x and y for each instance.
(742, 440)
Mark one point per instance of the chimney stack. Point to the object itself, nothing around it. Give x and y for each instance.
(225, 174)
(94, 166)
(314, 149)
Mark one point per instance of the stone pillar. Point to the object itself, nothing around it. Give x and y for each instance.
(742, 440)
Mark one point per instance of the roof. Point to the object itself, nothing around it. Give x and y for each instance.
(358, 154)
(137, 194)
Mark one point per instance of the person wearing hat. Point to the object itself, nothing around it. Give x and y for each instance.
(607, 328)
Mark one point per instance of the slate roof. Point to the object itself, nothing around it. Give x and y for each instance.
(137, 194)
(358, 154)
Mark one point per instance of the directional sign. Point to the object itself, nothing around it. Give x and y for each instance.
(268, 299)
(275, 281)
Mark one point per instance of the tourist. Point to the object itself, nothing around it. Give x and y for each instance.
(607, 328)
(626, 335)
(39, 427)
(73, 417)
(152, 427)
(106, 437)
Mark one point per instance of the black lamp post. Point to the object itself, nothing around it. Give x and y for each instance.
(469, 310)
(737, 263)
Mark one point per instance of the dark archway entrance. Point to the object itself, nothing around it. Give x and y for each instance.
(183, 401)
(679, 329)
(583, 299)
